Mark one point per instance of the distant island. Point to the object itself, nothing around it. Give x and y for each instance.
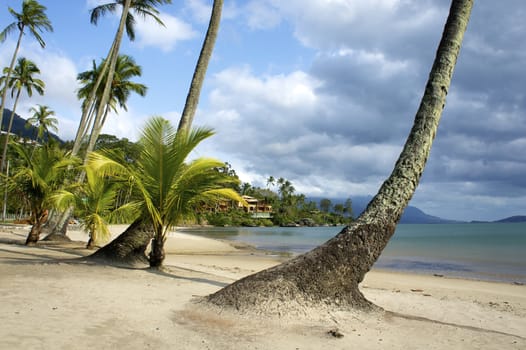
(510, 219)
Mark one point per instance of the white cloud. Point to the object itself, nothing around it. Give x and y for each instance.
(200, 10)
(262, 15)
(150, 33)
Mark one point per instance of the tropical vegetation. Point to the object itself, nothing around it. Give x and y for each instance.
(169, 189)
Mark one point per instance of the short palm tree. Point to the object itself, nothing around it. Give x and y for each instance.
(32, 17)
(22, 78)
(38, 178)
(169, 188)
(43, 120)
(94, 202)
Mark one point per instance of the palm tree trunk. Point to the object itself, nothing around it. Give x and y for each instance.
(11, 65)
(97, 124)
(192, 99)
(36, 229)
(84, 124)
(6, 142)
(157, 254)
(129, 248)
(330, 274)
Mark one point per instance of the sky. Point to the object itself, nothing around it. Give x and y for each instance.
(320, 92)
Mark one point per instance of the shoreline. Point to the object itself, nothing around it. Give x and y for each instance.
(234, 247)
(395, 257)
(109, 307)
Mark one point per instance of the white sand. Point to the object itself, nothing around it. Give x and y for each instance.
(48, 303)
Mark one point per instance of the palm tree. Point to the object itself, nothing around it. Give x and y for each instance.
(94, 201)
(192, 99)
(21, 79)
(329, 275)
(121, 88)
(169, 188)
(271, 181)
(32, 17)
(38, 178)
(143, 8)
(43, 120)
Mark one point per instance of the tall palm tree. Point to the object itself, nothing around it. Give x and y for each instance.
(20, 79)
(169, 188)
(39, 177)
(143, 8)
(94, 201)
(42, 119)
(32, 17)
(121, 89)
(329, 275)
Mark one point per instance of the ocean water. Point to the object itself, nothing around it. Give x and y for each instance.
(487, 251)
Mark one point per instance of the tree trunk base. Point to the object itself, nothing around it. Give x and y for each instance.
(57, 238)
(128, 249)
(58, 233)
(325, 278)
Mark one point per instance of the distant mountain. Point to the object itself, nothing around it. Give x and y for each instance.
(516, 218)
(19, 127)
(411, 215)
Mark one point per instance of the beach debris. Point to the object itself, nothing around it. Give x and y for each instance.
(335, 333)
(438, 275)
(417, 290)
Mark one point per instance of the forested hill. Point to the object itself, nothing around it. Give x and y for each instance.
(19, 127)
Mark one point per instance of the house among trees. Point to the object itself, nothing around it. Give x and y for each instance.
(258, 208)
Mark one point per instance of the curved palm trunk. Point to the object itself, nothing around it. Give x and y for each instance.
(192, 99)
(8, 131)
(11, 65)
(330, 274)
(129, 248)
(97, 123)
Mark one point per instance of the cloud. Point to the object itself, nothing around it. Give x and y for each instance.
(199, 10)
(337, 127)
(150, 33)
(59, 73)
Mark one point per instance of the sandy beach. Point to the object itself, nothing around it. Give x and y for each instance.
(49, 301)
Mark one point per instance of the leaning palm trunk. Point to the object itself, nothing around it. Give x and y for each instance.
(99, 116)
(330, 274)
(8, 76)
(194, 92)
(127, 249)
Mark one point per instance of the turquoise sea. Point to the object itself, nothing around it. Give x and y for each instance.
(487, 251)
